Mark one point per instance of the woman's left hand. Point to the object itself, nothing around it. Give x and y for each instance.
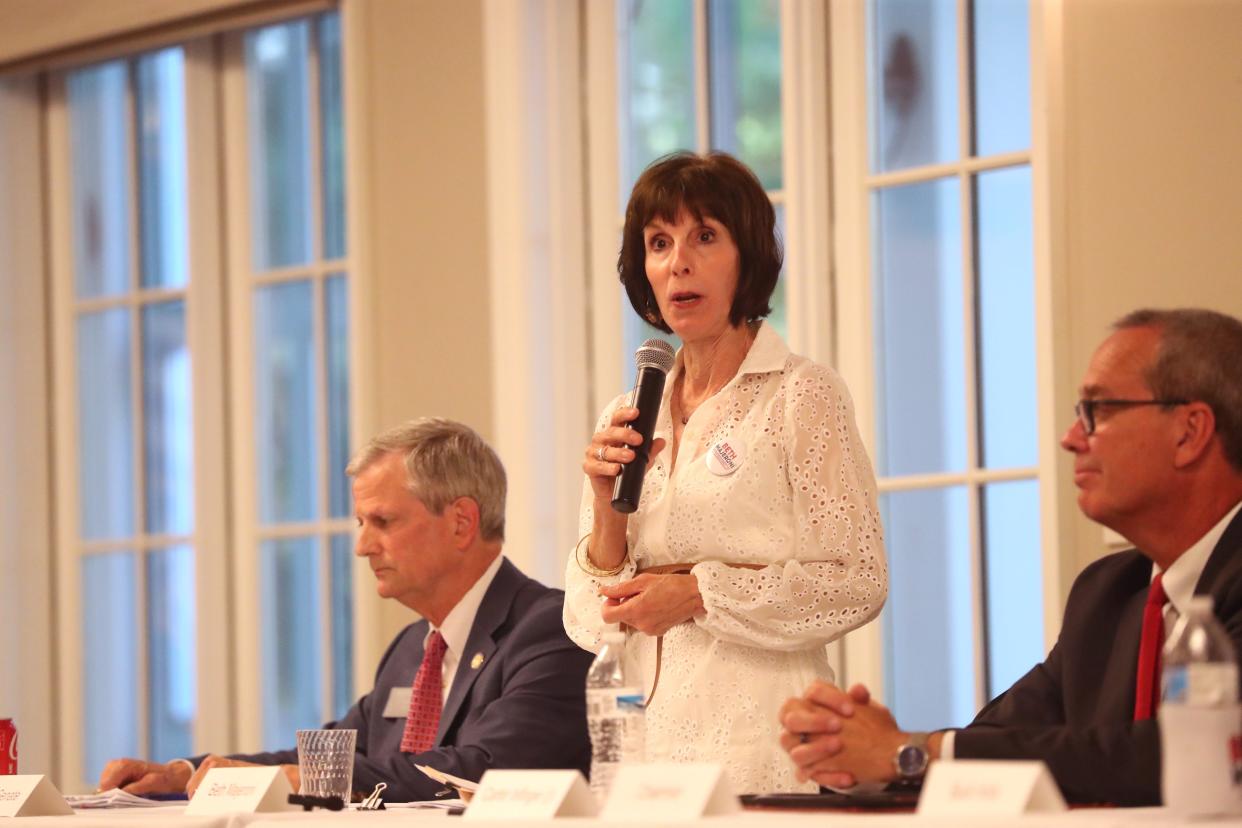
(652, 604)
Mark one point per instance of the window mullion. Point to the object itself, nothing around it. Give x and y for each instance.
(134, 277)
(137, 384)
(970, 322)
(702, 78)
(315, 126)
(810, 287)
(327, 674)
(245, 537)
(142, 661)
(68, 538)
(319, 339)
(938, 480)
(931, 172)
(215, 692)
(319, 342)
(965, 89)
(854, 317)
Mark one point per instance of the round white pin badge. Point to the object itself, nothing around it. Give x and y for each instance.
(724, 458)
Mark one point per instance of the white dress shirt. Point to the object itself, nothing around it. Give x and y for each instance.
(457, 625)
(1182, 575)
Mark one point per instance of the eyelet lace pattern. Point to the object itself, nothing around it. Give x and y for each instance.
(803, 502)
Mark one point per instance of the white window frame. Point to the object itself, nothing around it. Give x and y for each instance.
(226, 535)
(243, 280)
(805, 192)
(828, 284)
(852, 192)
(536, 230)
(27, 686)
(204, 303)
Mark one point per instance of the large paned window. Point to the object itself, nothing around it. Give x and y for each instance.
(699, 75)
(296, 529)
(953, 333)
(930, 297)
(145, 152)
(134, 550)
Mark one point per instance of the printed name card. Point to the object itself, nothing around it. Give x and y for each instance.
(241, 790)
(669, 792)
(982, 788)
(31, 794)
(531, 794)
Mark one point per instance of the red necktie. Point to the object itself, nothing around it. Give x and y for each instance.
(1147, 685)
(425, 701)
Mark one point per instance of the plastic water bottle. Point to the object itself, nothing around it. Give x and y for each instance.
(614, 714)
(1199, 715)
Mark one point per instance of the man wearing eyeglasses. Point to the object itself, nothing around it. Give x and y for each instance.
(1157, 448)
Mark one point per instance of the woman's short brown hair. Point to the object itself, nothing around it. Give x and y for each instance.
(717, 186)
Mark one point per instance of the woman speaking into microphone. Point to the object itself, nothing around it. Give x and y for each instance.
(756, 540)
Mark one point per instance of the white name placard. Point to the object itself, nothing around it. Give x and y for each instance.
(985, 788)
(241, 790)
(31, 794)
(531, 794)
(668, 791)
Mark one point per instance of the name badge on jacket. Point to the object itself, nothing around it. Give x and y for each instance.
(398, 705)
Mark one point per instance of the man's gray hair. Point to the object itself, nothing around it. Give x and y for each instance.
(1200, 359)
(444, 460)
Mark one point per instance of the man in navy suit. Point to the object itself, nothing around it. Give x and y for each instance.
(508, 692)
(1157, 448)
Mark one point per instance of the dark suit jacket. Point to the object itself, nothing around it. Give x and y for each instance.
(524, 707)
(1075, 710)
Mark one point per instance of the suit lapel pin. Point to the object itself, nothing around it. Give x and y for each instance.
(477, 661)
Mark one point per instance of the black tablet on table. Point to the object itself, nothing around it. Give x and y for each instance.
(896, 797)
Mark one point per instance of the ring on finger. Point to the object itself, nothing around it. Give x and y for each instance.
(600, 454)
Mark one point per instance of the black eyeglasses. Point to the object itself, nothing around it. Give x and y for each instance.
(1085, 409)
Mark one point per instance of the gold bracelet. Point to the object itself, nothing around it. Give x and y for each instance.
(590, 568)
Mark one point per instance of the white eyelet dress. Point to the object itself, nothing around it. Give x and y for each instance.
(802, 504)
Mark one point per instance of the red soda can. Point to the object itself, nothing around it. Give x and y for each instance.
(8, 747)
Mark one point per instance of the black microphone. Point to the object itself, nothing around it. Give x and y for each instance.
(654, 358)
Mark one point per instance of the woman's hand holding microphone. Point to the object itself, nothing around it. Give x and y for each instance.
(609, 451)
(648, 603)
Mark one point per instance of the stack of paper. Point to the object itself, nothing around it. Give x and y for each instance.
(115, 798)
(464, 787)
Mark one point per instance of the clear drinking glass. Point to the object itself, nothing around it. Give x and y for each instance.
(326, 762)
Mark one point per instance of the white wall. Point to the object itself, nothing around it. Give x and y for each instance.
(1150, 192)
(26, 510)
(418, 221)
(35, 30)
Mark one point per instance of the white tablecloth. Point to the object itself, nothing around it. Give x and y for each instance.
(174, 817)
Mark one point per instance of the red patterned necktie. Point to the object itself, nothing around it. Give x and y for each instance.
(425, 701)
(1147, 684)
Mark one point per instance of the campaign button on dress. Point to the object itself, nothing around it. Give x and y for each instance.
(725, 457)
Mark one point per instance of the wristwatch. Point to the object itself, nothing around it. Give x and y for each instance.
(911, 758)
